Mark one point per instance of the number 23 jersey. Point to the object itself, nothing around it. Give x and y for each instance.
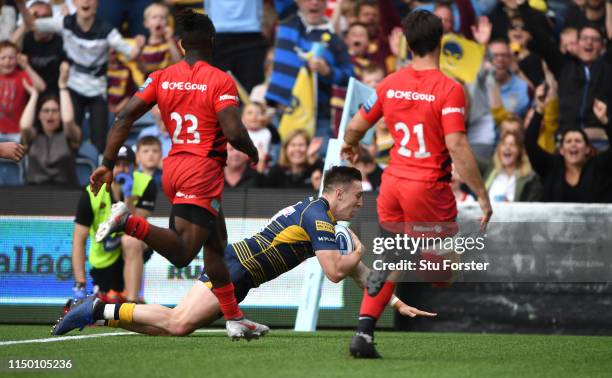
(420, 108)
(189, 98)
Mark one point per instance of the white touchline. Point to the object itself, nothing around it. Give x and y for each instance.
(79, 337)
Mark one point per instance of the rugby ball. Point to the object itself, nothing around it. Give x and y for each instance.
(344, 240)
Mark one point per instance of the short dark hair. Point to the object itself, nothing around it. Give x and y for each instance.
(423, 31)
(594, 26)
(340, 175)
(198, 31)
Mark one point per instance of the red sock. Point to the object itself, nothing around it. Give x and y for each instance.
(374, 306)
(227, 301)
(137, 227)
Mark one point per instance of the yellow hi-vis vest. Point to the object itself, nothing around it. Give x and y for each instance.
(101, 208)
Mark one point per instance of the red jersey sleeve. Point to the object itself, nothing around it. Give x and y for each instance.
(225, 93)
(453, 110)
(148, 90)
(372, 110)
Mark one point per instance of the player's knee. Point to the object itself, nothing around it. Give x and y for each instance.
(131, 245)
(179, 327)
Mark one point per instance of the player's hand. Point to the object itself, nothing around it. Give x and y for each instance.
(349, 152)
(12, 150)
(487, 211)
(102, 175)
(406, 310)
(357, 245)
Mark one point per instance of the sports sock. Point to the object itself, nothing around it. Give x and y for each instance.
(137, 227)
(227, 301)
(373, 307)
(123, 312)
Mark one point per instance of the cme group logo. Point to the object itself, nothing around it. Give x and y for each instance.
(165, 85)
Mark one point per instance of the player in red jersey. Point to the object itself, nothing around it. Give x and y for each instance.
(424, 111)
(199, 106)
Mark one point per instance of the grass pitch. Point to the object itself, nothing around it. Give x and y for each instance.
(323, 354)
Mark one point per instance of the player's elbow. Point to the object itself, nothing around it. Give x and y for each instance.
(456, 143)
(334, 277)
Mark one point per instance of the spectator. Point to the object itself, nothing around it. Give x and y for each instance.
(87, 41)
(45, 51)
(529, 63)
(160, 50)
(158, 131)
(514, 90)
(253, 118)
(149, 158)
(445, 13)
(568, 41)
(258, 93)
(481, 126)
(508, 178)
(117, 262)
(241, 47)
(52, 136)
(296, 34)
(357, 41)
(581, 78)
(11, 150)
(122, 13)
(238, 172)
(371, 173)
(343, 16)
(121, 84)
(576, 174)
(593, 12)
(297, 164)
(15, 72)
(7, 20)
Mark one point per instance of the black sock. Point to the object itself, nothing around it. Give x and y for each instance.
(366, 325)
(98, 310)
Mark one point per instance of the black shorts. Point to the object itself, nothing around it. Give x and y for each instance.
(109, 278)
(241, 286)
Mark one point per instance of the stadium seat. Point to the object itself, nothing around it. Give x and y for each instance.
(11, 173)
(84, 169)
(88, 151)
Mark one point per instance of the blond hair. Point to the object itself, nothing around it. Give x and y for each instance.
(283, 160)
(523, 167)
(148, 10)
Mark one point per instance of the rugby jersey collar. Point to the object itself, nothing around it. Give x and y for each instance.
(328, 210)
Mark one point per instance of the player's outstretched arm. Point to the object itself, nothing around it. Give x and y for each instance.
(133, 110)
(360, 276)
(236, 133)
(466, 166)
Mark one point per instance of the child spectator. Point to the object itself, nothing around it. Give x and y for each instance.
(160, 50)
(149, 157)
(87, 40)
(253, 118)
(121, 85)
(45, 51)
(53, 138)
(14, 72)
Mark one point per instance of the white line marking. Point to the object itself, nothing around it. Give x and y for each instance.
(79, 337)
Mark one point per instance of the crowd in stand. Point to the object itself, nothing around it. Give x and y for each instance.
(537, 120)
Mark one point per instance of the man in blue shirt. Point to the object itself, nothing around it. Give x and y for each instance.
(513, 89)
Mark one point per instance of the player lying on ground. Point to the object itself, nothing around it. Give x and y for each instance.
(199, 106)
(294, 234)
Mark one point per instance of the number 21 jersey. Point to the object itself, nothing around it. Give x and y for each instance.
(420, 108)
(189, 98)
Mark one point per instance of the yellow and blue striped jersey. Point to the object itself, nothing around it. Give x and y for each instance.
(294, 234)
